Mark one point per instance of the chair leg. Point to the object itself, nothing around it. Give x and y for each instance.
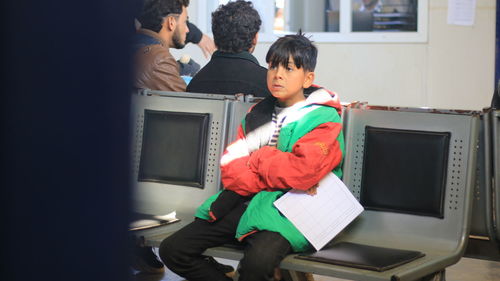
(290, 275)
(436, 276)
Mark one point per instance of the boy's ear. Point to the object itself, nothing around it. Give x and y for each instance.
(309, 79)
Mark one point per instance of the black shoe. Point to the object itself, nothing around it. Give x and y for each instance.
(219, 266)
(146, 261)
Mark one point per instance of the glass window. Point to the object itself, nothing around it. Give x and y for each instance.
(309, 16)
(336, 20)
(386, 16)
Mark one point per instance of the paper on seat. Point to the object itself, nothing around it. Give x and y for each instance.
(144, 221)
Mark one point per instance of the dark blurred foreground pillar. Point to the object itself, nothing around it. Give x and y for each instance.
(64, 189)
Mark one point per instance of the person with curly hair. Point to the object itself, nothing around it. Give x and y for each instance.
(163, 26)
(233, 69)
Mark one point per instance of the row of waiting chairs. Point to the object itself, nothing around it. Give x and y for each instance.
(485, 232)
(414, 171)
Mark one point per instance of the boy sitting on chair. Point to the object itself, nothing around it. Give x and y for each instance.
(290, 140)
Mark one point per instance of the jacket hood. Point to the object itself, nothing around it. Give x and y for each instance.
(262, 111)
(319, 95)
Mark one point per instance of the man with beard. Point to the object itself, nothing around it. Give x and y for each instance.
(163, 26)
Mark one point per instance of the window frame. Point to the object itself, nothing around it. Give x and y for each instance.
(345, 35)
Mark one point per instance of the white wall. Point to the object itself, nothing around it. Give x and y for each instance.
(453, 70)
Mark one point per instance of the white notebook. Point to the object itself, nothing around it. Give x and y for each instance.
(322, 216)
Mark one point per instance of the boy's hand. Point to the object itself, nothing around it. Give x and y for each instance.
(313, 190)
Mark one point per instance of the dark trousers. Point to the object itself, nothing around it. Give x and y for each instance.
(182, 251)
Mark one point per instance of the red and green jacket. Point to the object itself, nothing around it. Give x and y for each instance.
(310, 145)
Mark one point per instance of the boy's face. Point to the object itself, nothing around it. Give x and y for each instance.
(287, 83)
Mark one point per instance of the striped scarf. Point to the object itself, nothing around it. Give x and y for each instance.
(277, 125)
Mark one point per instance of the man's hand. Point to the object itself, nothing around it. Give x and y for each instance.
(313, 190)
(207, 45)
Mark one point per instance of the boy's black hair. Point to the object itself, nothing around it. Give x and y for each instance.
(154, 11)
(299, 47)
(234, 26)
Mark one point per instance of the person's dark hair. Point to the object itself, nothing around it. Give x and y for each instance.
(234, 26)
(154, 11)
(299, 47)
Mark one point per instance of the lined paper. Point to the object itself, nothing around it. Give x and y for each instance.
(322, 216)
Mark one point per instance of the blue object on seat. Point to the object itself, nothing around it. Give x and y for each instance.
(187, 79)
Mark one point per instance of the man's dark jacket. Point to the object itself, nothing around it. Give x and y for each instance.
(230, 74)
